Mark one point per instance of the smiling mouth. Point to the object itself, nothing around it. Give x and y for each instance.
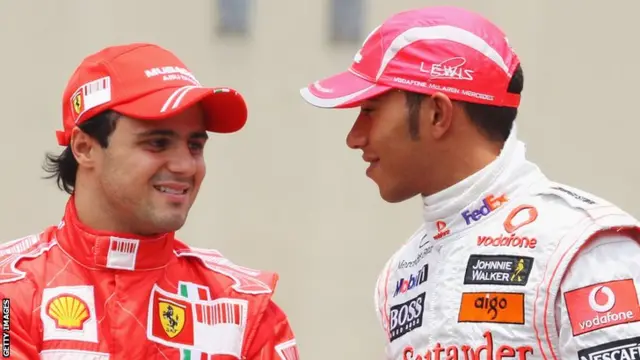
(171, 191)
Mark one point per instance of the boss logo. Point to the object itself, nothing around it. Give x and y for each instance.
(405, 317)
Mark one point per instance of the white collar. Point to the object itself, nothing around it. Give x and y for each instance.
(468, 202)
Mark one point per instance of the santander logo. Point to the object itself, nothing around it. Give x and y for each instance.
(602, 305)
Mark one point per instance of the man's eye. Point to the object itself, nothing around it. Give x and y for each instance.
(159, 143)
(198, 146)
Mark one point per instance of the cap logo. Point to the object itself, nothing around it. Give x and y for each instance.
(77, 102)
(170, 73)
(90, 95)
(448, 69)
(441, 32)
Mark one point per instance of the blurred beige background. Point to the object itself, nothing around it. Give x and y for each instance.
(286, 194)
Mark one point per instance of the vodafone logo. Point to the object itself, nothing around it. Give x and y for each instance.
(608, 305)
(602, 305)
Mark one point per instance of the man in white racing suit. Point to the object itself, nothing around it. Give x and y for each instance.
(508, 264)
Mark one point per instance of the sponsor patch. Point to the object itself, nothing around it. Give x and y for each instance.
(489, 204)
(288, 350)
(441, 226)
(498, 270)
(205, 326)
(576, 196)
(489, 349)
(602, 305)
(90, 95)
(625, 349)
(405, 317)
(69, 313)
(414, 280)
(122, 253)
(507, 241)
(423, 252)
(492, 307)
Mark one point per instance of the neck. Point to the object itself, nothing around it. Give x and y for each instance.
(463, 162)
(93, 210)
(483, 191)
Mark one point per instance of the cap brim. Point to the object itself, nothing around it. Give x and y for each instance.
(225, 108)
(344, 90)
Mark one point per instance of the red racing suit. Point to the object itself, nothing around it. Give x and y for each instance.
(70, 292)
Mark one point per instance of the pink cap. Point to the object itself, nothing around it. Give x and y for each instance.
(428, 50)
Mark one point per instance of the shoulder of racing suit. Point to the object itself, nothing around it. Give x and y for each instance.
(576, 208)
(20, 261)
(228, 279)
(236, 278)
(22, 256)
(591, 223)
(573, 198)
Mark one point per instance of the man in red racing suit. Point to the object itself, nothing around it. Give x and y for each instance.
(111, 281)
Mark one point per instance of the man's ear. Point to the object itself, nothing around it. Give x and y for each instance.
(83, 147)
(441, 114)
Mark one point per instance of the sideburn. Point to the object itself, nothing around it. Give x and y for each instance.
(414, 103)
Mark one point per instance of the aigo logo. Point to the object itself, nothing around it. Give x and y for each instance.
(489, 204)
(602, 305)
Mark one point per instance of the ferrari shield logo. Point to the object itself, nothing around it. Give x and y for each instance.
(77, 102)
(172, 317)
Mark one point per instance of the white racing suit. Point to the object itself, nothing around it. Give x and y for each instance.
(510, 265)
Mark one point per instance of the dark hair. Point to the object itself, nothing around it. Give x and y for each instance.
(494, 121)
(64, 167)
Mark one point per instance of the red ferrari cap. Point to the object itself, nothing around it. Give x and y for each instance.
(445, 49)
(144, 81)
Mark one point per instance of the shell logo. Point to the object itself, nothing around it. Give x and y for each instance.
(68, 311)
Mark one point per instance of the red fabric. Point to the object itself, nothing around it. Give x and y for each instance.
(113, 293)
(144, 81)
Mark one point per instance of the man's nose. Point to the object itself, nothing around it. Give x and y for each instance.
(182, 161)
(357, 137)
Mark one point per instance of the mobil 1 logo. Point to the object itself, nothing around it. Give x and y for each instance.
(498, 270)
(405, 317)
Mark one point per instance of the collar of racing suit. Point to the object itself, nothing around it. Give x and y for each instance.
(467, 203)
(100, 249)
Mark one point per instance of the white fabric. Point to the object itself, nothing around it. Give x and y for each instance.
(419, 295)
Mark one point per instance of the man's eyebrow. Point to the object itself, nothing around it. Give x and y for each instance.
(157, 132)
(199, 135)
(171, 133)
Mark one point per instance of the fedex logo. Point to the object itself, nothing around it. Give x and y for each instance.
(489, 204)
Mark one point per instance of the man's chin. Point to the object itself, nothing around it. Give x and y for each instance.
(394, 196)
(169, 222)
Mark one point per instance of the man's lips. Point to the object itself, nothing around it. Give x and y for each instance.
(370, 158)
(173, 188)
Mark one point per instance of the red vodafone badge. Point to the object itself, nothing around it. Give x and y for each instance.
(602, 305)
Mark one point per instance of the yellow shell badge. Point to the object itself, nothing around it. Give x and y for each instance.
(172, 317)
(68, 311)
